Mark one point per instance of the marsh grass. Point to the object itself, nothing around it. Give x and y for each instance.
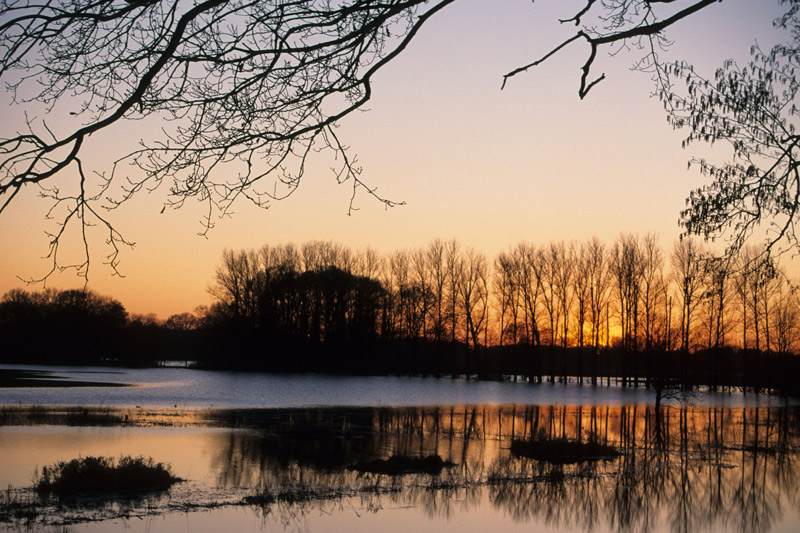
(102, 474)
(562, 451)
(16, 505)
(300, 493)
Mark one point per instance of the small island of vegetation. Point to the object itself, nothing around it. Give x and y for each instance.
(562, 451)
(102, 474)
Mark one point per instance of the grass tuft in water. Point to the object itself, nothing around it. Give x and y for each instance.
(562, 451)
(401, 464)
(102, 474)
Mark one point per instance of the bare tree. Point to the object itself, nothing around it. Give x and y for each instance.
(368, 264)
(435, 255)
(285, 257)
(627, 268)
(687, 275)
(636, 23)
(322, 255)
(599, 294)
(505, 294)
(769, 281)
(454, 264)
(317, 291)
(556, 277)
(528, 262)
(407, 322)
(238, 284)
(252, 88)
(758, 276)
(421, 277)
(411, 294)
(716, 301)
(584, 299)
(786, 310)
(474, 295)
(547, 274)
(599, 291)
(583, 287)
(565, 273)
(653, 288)
(743, 272)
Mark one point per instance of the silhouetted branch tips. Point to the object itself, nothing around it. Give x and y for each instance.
(577, 17)
(249, 92)
(619, 22)
(248, 88)
(752, 109)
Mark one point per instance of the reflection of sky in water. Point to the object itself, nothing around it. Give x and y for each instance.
(197, 388)
(187, 450)
(705, 469)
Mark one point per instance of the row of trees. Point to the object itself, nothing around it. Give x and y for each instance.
(629, 309)
(559, 309)
(631, 293)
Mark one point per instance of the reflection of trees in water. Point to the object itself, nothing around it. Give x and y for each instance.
(689, 468)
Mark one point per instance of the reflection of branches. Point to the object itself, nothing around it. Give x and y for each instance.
(690, 475)
(718, 468)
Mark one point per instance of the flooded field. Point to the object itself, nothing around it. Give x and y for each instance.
(289, 458)
(679, 469)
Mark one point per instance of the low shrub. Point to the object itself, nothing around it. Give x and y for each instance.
(101, 474)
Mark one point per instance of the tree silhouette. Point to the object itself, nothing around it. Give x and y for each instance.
(71, 326)
(753, 108)
(245, 92)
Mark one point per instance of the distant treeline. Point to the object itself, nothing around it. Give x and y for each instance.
(81, 327)
(587, 310)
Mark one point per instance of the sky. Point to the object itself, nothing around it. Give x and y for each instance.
(489, 167)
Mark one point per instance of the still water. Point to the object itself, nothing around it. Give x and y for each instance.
(188, 388)
(714, 463)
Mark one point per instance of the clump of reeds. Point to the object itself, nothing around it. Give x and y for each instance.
(15, 505)
(401, 464)
(562, 451)
(102, 474)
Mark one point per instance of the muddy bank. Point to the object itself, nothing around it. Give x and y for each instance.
(12, 378)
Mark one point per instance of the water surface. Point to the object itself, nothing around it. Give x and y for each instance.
(681, 468)
(189, 388)
(713, 462)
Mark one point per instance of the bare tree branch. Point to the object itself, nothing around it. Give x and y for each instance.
(624, 20)
(247, 89)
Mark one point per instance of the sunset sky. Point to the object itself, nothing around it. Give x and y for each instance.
(488, 167)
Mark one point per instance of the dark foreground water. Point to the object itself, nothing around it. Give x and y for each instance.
(716, 463)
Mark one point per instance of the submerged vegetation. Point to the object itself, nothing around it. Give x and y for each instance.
(101, 474)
